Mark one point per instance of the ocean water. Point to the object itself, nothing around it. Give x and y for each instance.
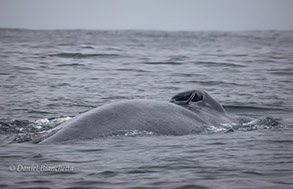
(48, 77)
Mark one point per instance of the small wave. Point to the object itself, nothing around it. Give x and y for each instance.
(131, 70)
(83, 55)
(250, 108)
(23, 68)
(70, 65)
(114, 49)
(282, 72)
(87, 47)
(219, 64)
(215, 83)
(163, 63)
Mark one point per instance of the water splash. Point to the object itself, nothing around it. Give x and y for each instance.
(261, 124)
(28, 131)
(256, 124)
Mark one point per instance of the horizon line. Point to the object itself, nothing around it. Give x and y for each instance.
(153, 30)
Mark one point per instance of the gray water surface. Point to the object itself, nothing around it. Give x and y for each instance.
(48, 77)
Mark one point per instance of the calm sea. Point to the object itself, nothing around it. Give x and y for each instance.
(48, 77)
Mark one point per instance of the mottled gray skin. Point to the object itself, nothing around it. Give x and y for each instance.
(165, 118)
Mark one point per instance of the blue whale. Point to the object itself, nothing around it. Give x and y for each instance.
(184, 113)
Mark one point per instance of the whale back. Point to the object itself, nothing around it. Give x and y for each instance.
(143, 115)
(187, 111)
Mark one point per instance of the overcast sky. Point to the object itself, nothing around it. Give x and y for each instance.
(148, 14)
